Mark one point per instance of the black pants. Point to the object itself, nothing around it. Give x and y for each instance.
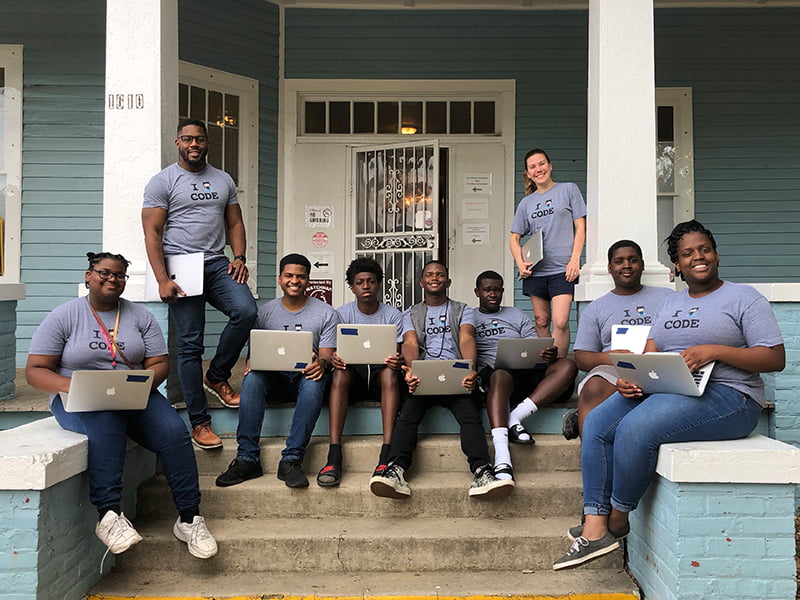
(465, 409)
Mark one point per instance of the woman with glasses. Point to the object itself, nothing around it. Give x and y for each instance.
(104, 331)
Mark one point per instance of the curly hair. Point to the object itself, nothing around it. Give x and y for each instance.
(530, 186)
(363, 264)
(96, 257)
(677, 234)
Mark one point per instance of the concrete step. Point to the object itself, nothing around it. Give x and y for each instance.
(576, 584)
(435, 452)
(341, 544)
(436, 494)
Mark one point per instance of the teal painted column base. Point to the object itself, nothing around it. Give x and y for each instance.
(714, 541)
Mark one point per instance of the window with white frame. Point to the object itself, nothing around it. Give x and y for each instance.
(10, 160)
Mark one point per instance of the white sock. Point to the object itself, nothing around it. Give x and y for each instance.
(501, 452)
(524, 409)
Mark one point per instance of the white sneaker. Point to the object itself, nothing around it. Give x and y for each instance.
(197, 536)
(116, 532)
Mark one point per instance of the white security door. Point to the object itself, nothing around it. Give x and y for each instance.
(395, 192)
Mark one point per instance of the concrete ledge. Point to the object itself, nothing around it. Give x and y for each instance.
(39, 455)
(754, 459)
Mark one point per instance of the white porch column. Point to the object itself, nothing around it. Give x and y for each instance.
(141, 113)
(621, 173)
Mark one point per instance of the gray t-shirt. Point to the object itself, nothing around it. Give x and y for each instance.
(596, 320)
(385, 315)
(440, 340)
(195, 205)
(554, 212)
(71, 331)
(316, 316)
(734, 315)
(508, 322)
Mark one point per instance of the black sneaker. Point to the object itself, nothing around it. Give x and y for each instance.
(390, 483)
(290, 471)
(486, 486)
(583, 550)
(569, 425)
(238, 471)
(620, 534)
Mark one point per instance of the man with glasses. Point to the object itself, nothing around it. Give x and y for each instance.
(187, 208)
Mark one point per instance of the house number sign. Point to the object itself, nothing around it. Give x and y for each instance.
(125, 101)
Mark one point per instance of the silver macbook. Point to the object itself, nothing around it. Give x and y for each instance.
(108, 390)
(662, 372)
(521, 353)
(629, 337)
(532, 251)
(440, 377)
(366, 344)
(187, 270)
(273, 350)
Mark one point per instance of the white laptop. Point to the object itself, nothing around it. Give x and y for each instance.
(440, 377)
(121, 389)
(521, 353)
(273, 350)
(185, 269)
(532, 251)
(629, 337)
(662, 372)
(367, 344)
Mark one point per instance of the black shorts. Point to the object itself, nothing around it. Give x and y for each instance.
(365, 383)
(525, 381)
(548, 286)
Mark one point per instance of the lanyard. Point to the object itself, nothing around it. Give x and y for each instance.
(111, 338)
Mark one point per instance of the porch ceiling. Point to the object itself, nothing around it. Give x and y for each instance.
(519, 4)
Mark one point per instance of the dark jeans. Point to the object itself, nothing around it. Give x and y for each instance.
(465, 409)
(189, 319)
(157, 428)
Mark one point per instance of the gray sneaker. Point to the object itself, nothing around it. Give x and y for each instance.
(569, 425)
(488, 487)
(390, 483)
(577, 531)
(583, 550)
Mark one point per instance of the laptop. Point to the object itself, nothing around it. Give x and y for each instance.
(121, 389)
(274, 350)
(662, 372)
(532, 251)
(440, 377)
(629, 337)
(363, 344)
(185, 269)
(521, 353)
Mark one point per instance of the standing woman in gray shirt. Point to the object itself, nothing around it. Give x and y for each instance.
(558, 210)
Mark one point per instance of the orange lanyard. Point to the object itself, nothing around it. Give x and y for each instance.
(111, 337)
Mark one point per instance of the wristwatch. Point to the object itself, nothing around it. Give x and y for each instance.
(241, 257)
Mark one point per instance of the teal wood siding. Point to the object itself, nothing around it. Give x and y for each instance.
(740, 63)
(243, 38)
(742, 66)
(62, 148)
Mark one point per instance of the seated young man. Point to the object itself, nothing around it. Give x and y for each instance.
(439, 329)
(380, 380)
(529, 389)
(628, 303)
(296, 312)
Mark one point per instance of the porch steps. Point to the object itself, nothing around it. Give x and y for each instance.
(344, 542)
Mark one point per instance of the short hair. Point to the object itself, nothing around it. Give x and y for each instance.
(624, 244)
(363, 264)
(96, 257)
(488, 275)
(295, 259)
(186, 122)
(679, 231)
(436, 261)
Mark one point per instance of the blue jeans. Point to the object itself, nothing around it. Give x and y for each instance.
(157, 428)
(621, 438)
(189, 319)
(257, 387)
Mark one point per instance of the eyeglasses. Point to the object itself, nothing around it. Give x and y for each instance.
(106, 275)
(187, 139)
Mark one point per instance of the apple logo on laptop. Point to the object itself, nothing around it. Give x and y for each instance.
(112, 391)
(523, 354)
(367, 344)
(282, 350)
(442, 378)
(652, 374)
